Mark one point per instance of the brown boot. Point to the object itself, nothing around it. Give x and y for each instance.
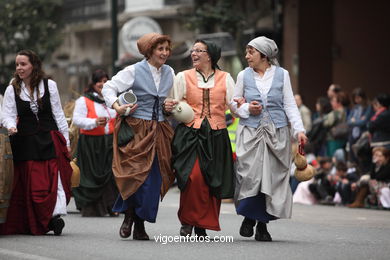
(360, 196)
(139, 229)
(125, 230)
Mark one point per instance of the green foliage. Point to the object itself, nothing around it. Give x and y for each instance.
(27, 24)
(209, 17)
(233, 16)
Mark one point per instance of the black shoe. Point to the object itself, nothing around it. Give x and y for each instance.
(262, 232)
(200, 232)
(185, 230)
(246, 229)
(139, 232)
(57, 224)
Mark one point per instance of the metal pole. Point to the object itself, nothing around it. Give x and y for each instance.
(114, 32)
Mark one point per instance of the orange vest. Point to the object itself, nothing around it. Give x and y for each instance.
(217, 103)
(99, 130)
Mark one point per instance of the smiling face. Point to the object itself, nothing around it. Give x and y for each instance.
(99, 85)
(160, 54)
(200, 57)
(24, 67)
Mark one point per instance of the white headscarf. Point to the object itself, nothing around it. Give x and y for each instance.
(267, 47)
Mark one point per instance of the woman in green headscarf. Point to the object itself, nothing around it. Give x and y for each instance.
(201, 150)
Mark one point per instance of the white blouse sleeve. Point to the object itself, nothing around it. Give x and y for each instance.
(290, 106)
(80, 113)
(1, 105)
(179, 87)
(229, 90)
(57, 111)
(122, 81)
(9, 113)
(170, 94)
(238, 92)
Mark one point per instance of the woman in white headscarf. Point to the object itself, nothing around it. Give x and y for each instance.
(265, 104)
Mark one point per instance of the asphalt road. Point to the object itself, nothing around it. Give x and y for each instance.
(314, 232)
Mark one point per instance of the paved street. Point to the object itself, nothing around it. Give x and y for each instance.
(314, 232)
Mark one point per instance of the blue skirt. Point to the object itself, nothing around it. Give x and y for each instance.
(146, 199)
(254, 208)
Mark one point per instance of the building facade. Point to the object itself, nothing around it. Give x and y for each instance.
(336, 41)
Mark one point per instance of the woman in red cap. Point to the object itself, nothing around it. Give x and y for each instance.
(142, 136)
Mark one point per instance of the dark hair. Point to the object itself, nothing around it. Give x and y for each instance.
(325, 106)
(37, 73)
(358, 92)
(383, 99)
(213, 51)
(97, 76)
(341, 166)
(342, 98)
(323, 160)
(336, 88)
(161, 39)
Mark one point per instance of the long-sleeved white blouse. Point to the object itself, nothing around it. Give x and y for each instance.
(80, 113)
(124, 80)
(263, 84)
(9, 113)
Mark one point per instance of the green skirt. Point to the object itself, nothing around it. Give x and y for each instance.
(213, 149)
(97, 185)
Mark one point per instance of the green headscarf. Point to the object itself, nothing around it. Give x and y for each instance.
(214, 51)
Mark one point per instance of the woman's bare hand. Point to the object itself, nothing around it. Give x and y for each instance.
(12, 131)
(169, 105)
(240, 101)
(255, 108)
(126, 109)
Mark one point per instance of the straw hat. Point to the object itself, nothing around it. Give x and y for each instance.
(183, 112)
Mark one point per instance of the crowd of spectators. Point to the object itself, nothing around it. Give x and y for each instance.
(349, 145)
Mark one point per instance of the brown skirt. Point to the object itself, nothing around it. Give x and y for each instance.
(133, 162)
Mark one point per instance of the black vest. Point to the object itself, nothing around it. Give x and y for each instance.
(33, 140)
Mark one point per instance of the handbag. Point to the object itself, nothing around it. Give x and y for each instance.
(125, 133)
(340, 131)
